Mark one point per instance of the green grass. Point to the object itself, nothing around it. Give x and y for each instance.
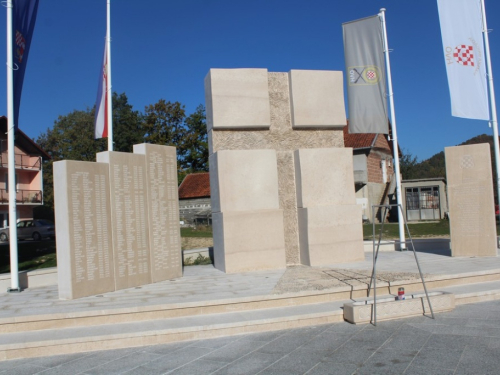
(201, 231)
(32, 255)
(422, 229)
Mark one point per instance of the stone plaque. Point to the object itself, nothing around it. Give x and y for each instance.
(471, 202)
(83, 229)
(163, 203)
(129, 217)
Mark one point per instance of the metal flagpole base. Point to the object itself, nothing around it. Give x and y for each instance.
(14, 290)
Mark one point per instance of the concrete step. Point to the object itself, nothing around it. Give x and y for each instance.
(114, 335)
(122, 335)
(106, 316)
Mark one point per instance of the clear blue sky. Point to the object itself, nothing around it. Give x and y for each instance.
(164, 49)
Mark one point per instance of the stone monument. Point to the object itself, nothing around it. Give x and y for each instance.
(85, 264)
(129, 217)
(471, 203)
(117, 221)
(256, 123)
(163, 204)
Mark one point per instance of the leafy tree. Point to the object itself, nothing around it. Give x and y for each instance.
(408, 165)
(127, 124)
(72, 138)
(164, 124)
(195, 142)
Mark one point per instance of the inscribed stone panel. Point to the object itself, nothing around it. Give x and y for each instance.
(163, 203)
(83, 229)
(471, 203)
(317, 99)
(129, 217)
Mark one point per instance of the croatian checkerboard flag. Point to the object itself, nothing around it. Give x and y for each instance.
(101, 105)
(461, 30)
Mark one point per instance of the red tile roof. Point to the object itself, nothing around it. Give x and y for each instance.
(195, 185)
(358, 140)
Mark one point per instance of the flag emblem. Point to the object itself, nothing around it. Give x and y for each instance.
(464, 55)
(21, 46)
(363, 75)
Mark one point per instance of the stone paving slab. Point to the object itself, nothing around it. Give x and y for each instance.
(407, 346)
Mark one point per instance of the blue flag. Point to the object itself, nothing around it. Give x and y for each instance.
(23, 24)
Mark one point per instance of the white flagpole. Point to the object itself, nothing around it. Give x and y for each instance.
(493, 108)
(14, 267)
(394, 134)
(109, 92)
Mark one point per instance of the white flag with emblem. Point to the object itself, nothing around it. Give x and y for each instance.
(461, 30)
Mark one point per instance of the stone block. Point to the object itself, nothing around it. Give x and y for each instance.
(390, 308)
(324, 177)
(163, 203)
(249, 241)
(330, 235)
(471, 202)
(317, 99)
(244, 180)
(83, 229)
(237, 98)
(129, 217)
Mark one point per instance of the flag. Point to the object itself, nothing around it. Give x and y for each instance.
(101, 105)
(461, 31)
(23, 24)
(366, 77)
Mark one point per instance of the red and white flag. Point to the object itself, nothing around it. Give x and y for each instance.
(101, 105)
(461, 30)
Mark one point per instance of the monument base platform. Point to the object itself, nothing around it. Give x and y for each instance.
(207, 303)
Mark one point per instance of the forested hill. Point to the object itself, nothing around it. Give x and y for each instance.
(411, 168)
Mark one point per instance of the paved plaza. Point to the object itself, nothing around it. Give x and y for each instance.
(464, 341)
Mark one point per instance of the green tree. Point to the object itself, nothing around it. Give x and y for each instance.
(72, 138)
(164, 124)
(195, 143)
(408, 165)
(127, 124)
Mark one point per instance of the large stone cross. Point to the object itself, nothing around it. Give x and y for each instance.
(289, 113)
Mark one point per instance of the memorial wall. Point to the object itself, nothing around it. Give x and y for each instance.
(471, 200)
(117, 221)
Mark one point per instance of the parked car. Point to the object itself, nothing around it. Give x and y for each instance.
(35, 229)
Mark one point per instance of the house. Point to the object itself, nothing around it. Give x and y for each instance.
(194, 199)
(425, 199)
(28, 164)
(374, 178)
